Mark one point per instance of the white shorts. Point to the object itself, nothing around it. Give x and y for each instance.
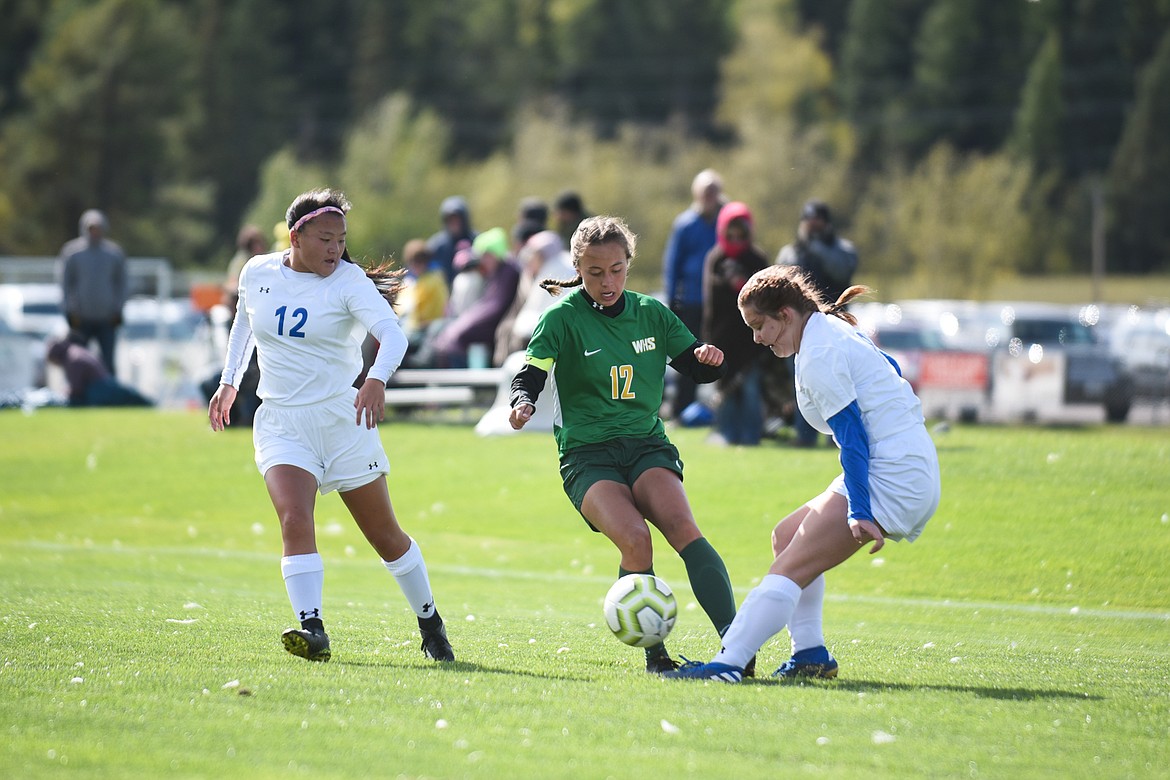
(322, 439)
(904, 483)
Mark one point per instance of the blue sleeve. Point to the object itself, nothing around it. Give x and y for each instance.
(854, 441)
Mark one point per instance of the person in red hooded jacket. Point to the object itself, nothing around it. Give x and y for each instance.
(734, 258)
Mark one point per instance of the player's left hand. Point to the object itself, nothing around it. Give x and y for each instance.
(709, 355)
(371, 403)
(867, 530)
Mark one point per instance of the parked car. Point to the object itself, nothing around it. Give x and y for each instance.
(1140, 340)
(33, 309)
(950, 382)
(18, 362)
(1091, 373)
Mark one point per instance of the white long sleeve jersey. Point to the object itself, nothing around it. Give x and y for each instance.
(308, 331)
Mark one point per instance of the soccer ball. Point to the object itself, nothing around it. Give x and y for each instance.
(640, 609)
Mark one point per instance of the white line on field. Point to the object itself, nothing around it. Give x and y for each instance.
(560, 576)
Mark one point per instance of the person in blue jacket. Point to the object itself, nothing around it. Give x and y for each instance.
(888, 489)
(692, 235)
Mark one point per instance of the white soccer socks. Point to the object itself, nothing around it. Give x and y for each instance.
(807, 624)
(304, 579)
(410, 571)
(765, 612)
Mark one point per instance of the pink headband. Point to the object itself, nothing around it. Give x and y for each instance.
(315, 213)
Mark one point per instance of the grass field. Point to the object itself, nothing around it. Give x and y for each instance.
(1026, 634)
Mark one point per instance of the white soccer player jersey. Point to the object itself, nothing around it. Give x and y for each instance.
(837, 365)
(306, 328)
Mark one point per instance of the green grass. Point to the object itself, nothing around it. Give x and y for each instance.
(1027, 633)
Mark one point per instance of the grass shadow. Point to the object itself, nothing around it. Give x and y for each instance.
(457, 666)
(873, 686)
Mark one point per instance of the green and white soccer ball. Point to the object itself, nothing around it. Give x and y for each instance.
(640, 609)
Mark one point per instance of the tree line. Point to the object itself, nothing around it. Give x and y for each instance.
(957, 139)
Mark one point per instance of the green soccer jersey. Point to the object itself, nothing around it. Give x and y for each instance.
(609, 371)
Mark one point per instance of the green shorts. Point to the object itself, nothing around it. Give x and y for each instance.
(617, 460)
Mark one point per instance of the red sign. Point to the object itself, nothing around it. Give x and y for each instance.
(953, 370)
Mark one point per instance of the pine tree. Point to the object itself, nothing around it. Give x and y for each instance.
(1139, 177)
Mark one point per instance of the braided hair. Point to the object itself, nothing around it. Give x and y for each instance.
(591, 232)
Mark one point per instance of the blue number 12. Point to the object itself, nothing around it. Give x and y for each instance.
(297, 331)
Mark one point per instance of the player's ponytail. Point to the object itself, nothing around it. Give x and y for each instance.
(838, 309)
(556, 286)
(386, 278)
(776, 287)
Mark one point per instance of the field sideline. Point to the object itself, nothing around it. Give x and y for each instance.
(1027, 633)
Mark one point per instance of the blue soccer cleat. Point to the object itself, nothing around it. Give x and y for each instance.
(810, 662)
(693, 670)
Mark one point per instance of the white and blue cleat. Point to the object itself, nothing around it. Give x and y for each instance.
(812, 662)
(693, 670)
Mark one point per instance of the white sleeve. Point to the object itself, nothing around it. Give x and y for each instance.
(239, 348)
(391, 349)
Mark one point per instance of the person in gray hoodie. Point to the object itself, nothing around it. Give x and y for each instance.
(456, 219)
(94, 285)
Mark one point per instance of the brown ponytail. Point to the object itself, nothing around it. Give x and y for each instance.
(776, 287)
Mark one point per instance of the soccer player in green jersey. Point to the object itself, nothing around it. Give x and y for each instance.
(610, 347)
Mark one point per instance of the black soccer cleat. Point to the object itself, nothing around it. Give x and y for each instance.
(308, 644)
(660, 664)
(435, 645)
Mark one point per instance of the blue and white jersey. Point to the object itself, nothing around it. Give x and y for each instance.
(837, 364)
(891, 472)
(307, 329)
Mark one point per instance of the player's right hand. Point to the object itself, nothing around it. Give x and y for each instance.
(219, 409)
(521, 414)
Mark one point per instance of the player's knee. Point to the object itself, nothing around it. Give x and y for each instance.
(634, 541)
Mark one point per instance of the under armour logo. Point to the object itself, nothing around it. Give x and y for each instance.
(265, 289)
(373, 465)
(428, 607)
(307, 615)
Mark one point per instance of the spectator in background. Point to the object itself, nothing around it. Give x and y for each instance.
(94, 285)
(522, 231)
(477, 324)
(691, 237)
(456, 219)
(543, 257)
(533, 209)
(250, 242)
(280, 240)
(90, 384)
(423, 299)
(740, 415)
(568, 211)
(830, 262)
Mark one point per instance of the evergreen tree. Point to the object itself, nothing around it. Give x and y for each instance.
(645, 62)
(1036, 136)
(1098, 82)
(1139, 178)
(101, 128)
(19, 35)
(827, 18)
(247, 90)
(877, 70)
(971, 61)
